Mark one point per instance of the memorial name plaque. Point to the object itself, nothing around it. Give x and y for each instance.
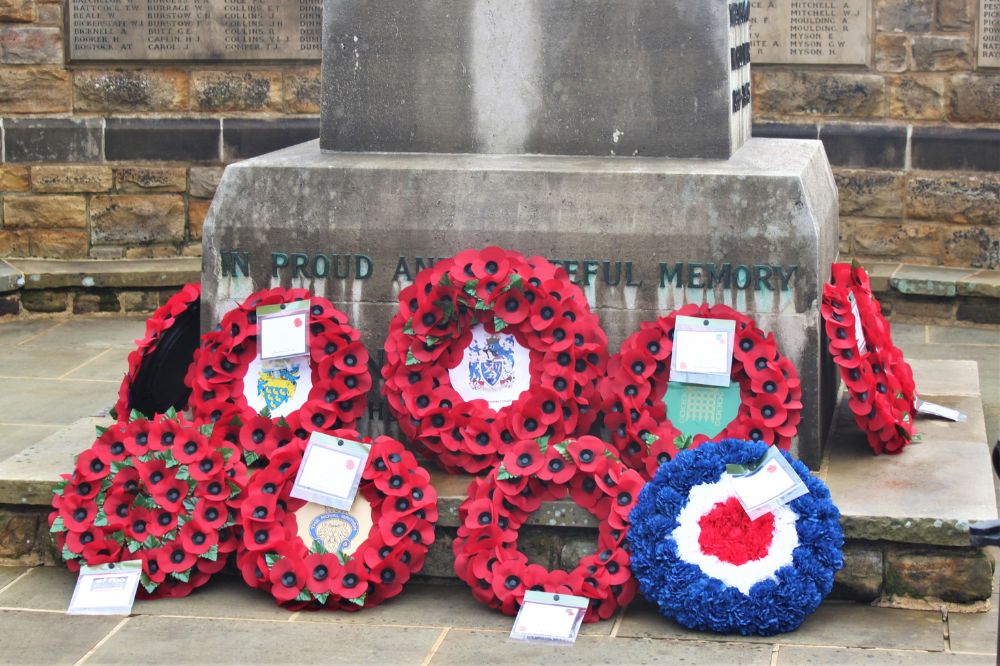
(194, 29)
(989, 33)
(821, 32)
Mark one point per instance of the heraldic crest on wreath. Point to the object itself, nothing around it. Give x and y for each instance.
(492, 364)
(334, 529)
(277, 385)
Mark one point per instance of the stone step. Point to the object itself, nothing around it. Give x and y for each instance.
(905, 517)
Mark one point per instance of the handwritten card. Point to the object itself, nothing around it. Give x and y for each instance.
(331, 471)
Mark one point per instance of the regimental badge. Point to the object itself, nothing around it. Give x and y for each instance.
(277, 385)
(491, 364)
(335, 530)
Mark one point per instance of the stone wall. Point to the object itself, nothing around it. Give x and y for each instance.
(103, 161)
(914, 137)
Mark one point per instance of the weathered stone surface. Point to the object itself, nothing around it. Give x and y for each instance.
(197, 210)
(954, 14)
(17, 10)
(13, 178)
(18, 531)
(941, 53)
(803, 92)
(440, 204)
(892, 52)
(885, 238)
(972, 246)
(903, 15)
(788, 32)
(917, 98)
(45, 301)
(14, 243)
(130, 90)
(983, 283)
(302, 88)
(89, 303)
(46, 275)
(30, 46)
(521, 77)
(236, 91)
(137, 218)
(927, 280)
(151, 179)
(861, 577)
(10, 277)
(34, 89)
(59, 243)
(847, 236)
(961, 575)
(49, 14)
(160, 251)
(10, 305)
(75, 178)
(974, 98)
(868, 193)
(58, 211)
(139, 301)
(978, 310)
(963, 199)
(202, 181)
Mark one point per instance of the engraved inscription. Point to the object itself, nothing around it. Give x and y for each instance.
(989, 33)
(826, 32)
(194, 29)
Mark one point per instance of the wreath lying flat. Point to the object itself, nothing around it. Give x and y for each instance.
(154, 381)
(636, 382)
(151, 490)
(706, 565)
(529, 298)
(532, 472)
(879, 381)
(338, 367)
(274, 558)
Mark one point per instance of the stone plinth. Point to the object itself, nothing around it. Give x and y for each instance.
(617, 77)
(642, 236)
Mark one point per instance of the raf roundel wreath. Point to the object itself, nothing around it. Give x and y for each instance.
(301, 573)
(338, 369)
(534, 471)
(879, 381)
(634, 387)
(699, 557)
(154, 381)
(509, 296)
(158, 491)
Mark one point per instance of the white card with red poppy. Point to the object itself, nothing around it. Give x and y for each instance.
(106, 589)
(703, 351)
(331, 471)
(283, 330)
(545, 617)
(772, 484)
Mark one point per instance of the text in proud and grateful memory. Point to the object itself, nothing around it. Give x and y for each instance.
(821, 32)
(194, 29)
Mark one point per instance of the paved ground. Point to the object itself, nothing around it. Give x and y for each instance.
(56, 371)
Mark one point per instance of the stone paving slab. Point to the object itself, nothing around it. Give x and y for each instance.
(28, 476)
(15, 438)
(955, 335)
(30, 400)
(946, 377)
(834, 623)
(928, 280)
(91, 332)
(814, 656)
(975, 632)
(210, 641)
(50, 638)
(480, 647)
(9, 574)
(109, 366)
(42, 363)
(54, 273)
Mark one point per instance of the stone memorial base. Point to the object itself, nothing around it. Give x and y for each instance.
(641, 236)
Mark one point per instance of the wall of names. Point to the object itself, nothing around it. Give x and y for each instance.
(821, 32)
(989, 33)
(194, 29)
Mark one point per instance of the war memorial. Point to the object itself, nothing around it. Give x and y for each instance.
(504, 243)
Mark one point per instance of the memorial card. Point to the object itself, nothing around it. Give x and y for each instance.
(283, 330)
(549, 618)
(106, 589)
(765, 485)
(703, 351)
(331, 471)
(495, 368)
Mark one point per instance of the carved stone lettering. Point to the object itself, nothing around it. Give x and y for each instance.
(194, 29)
(823, 32)
(989, 33)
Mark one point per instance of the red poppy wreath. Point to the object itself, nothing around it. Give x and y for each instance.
(229, 381)
(878, 379)
(634, 389)
(310, 556)
(154, 381)
(155, 490)
(535, 471)
(488, 348)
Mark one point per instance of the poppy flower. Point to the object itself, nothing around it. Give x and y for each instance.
(163, 521)
(262, 535)
(102, 551)
(110, 446)
(259, 506)
(173, 558)
(556, 468)
(90, 467)
(136, 438)
(523, 458)
(77, 513)
(321, 570)
(288, 576)
(207, 467)
(211, 515)
(215, 488)
(197, 538)
(171, 494)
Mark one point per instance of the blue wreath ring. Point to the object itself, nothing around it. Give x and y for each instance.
(698, 556)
